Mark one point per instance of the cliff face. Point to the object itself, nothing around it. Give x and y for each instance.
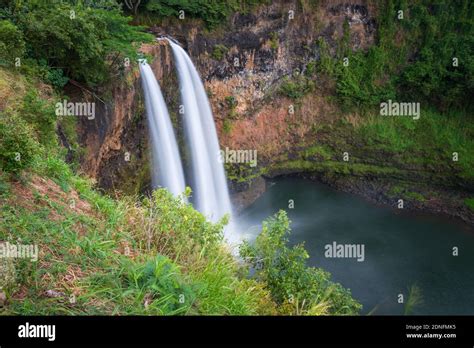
(253, 67)
(242, 66)
(116, 140)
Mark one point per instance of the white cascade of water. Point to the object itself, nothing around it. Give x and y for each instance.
(167, 168)
(211, 191)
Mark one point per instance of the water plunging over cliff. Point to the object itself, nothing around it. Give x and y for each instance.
(166, 162)
(212, 197)
(210, 191)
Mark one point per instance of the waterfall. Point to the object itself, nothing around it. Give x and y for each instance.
(209, 184)
(210, 191)
(166, 162)
(212, 197)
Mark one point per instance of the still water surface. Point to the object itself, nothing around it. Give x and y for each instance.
(401, 249)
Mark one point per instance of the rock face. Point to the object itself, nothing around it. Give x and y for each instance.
(116, 140)
(244, 197)
(242, 66)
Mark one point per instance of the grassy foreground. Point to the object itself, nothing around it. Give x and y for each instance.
(157, 256)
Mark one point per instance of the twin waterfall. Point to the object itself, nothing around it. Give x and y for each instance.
(166, 162)
(208, 181)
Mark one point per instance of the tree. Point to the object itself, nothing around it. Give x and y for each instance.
(12, 45)
(88, 42)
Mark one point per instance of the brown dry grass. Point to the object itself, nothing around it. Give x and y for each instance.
(33, 194)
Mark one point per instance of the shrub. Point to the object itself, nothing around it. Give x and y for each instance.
(298, 288)
(40, 114)
(211, 12)
(55, 168)
(171, 227)
(11, 43)
(231, 101)
(417, 66)
(274, 41)
(296, 87)
(56, 78)
(17, 145)
(39, 69)
(219, 52)
(440, 31)
(181, 229)
(227, 126)
(470, 203)
(359, 86)
(310, 68)
(88, 42)
(160, 283)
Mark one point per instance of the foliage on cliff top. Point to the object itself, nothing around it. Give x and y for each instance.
(86, 41)
(425, 55)
(212, 13)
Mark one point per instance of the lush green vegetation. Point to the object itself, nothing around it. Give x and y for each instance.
(401, 191)
(301, 289)
(470, 203)
(113, 266)
(85, 41)
(317, 151)
(423, 54)
(17, 148)
(156, 256)
(296, 87)
(439, 135)
(413, 59)
(212, 13)
(97, 255)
